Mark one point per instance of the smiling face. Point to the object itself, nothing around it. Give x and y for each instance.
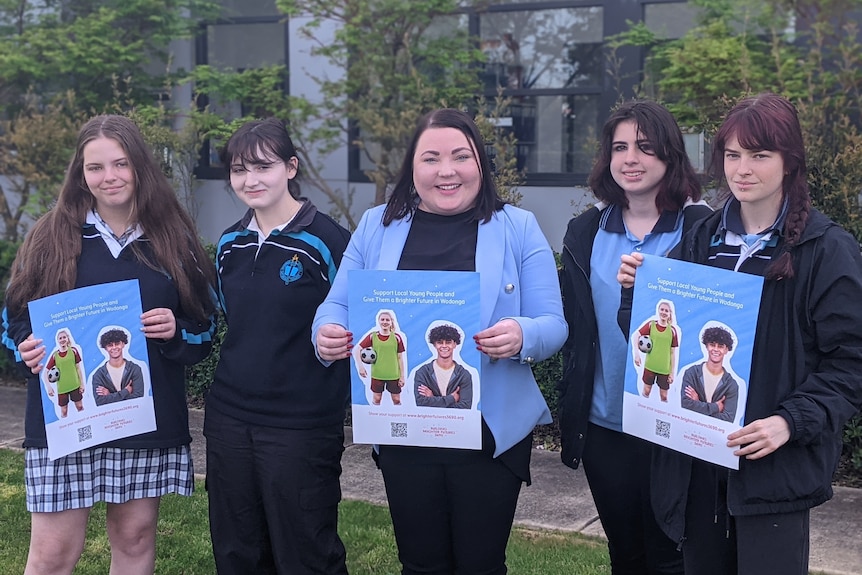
(755, 177)
(634, 165)
(445, 348)
(446, 172)
(115, 349)
(63, 340)
(109, 176)
(385, 323)
(664, 313)
(716, 352)
(262, 185)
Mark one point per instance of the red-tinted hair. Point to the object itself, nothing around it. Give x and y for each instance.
(769, 122)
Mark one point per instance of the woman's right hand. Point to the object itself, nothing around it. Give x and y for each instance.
(628, 269)
(32, 352)
(333, 342)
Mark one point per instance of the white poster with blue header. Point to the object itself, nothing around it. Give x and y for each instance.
(691, 343)
(415, 373)
(95, 378)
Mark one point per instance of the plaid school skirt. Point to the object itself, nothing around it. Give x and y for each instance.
(107, 474)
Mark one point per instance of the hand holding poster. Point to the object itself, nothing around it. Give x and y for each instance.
(415, 376)
(691, 344)
(96, 377)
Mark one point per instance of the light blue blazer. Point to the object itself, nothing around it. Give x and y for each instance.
(518, 280)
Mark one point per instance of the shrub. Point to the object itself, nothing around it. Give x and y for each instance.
(8, 249)
(547, 374)
(200, 376)
(853, 443)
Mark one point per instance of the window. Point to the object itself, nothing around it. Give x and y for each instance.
(542, 49)
(548, 57)
(227, 44)
(670, 20)
(550, 62)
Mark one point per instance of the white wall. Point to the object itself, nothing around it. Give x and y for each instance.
(554, 207)
(14, 201)
(217, 208)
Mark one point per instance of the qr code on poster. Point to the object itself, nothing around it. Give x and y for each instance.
(398, 429)
(662, 428)
(85, 433)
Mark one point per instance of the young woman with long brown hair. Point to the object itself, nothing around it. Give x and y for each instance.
(116, 218)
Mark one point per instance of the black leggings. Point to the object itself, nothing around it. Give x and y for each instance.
(452, 515)
(618, 471)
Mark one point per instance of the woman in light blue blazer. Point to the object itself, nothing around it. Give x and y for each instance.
(452, 509)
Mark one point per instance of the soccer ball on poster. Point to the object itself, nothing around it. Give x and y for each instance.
(644, 344)
(53, 375)
(368, 355)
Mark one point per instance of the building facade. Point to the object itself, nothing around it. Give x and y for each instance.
(549, 56)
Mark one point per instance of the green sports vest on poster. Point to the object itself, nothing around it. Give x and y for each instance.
(69, 380)
(658, 360)
(386, 367)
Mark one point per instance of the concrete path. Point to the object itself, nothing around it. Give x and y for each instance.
(559, 497)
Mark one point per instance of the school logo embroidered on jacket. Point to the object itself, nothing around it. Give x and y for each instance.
(291, 270)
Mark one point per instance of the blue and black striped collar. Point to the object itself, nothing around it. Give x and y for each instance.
(731, 219)
(612, 221)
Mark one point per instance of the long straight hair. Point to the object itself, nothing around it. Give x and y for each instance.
(47, 261)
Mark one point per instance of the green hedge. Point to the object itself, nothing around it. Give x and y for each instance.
(7, 256)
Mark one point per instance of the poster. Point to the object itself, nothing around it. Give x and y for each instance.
(415, 376)
(95, 379)
(690, 346)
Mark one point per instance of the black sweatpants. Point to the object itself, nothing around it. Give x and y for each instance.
(717, 544)
(273, 497)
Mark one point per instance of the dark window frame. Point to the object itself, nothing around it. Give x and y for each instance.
(204, 170)
(615, 14)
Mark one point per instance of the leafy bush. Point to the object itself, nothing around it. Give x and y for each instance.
(8, 249)
(200, 376)
(853, 443)
(547, 374)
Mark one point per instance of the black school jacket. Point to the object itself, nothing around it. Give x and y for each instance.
(806, 367)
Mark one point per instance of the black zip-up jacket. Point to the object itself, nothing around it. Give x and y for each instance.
(579, 353)
(267, 372)
(806, 367)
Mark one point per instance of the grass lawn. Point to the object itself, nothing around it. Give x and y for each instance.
(184, 544)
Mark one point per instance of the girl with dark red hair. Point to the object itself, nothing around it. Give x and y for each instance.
(805, 378)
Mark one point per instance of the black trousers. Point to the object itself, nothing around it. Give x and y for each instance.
(273, 497)
(618, 472)
(717, 544)
(452, 511)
